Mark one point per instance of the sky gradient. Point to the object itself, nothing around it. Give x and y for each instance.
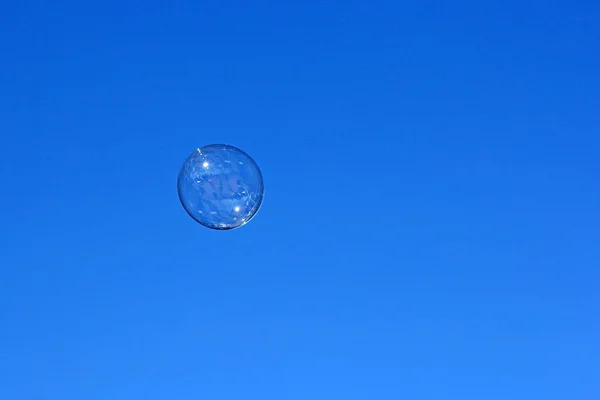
(431, 222)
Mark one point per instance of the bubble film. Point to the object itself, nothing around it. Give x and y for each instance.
(220, 186)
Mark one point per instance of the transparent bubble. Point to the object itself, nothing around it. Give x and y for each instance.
(220, 186)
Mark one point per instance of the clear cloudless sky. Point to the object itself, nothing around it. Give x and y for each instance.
(430, 228)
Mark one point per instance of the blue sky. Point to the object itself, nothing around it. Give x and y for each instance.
(431, 222)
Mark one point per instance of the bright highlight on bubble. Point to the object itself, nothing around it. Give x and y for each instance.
(220, 186)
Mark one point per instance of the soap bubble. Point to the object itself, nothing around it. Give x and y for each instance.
(220, 186)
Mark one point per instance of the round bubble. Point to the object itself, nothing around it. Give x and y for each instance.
(220, 186)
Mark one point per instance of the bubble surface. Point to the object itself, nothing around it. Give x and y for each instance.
(220, 186)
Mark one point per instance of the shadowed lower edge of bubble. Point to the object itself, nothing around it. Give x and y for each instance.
(213, 227)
